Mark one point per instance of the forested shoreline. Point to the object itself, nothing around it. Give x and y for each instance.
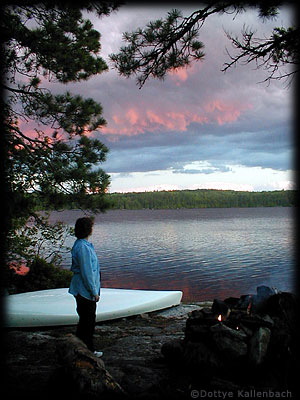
(202, 198)
(176, 199)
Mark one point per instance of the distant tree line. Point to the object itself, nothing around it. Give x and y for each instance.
(201, 198)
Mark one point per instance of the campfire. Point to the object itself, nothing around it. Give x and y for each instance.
(242, 341)
(220, 310)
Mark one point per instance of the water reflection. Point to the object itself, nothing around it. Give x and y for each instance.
(205, 253)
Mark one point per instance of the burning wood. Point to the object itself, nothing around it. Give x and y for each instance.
(221, 310)
(238, 334)
(249, 307)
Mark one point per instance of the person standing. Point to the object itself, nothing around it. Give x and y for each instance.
(85, 283)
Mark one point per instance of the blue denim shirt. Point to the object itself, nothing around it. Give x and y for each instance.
(86, 270)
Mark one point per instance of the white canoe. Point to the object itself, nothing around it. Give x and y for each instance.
(57, 307)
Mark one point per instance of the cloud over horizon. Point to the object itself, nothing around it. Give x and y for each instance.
(199, 123)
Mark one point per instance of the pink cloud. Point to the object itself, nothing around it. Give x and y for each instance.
(136, 120)
(225, 112)
(31, 128)
(132, 116)
(174, 114)
(181, 75)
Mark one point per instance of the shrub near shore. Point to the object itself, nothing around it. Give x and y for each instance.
(41, 276)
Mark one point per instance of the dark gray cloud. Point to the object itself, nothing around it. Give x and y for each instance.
(149, 152)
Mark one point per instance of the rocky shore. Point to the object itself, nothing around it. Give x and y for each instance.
(132, 355)
(236, 346)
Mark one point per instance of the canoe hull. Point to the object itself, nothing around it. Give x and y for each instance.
(57, 307)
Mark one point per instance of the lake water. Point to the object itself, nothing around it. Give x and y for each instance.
(206, 253)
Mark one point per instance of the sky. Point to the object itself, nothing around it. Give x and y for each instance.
(199, 127)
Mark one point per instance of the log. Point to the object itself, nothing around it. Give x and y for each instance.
(86, 373)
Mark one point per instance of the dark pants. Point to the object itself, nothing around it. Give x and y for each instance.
(86, 309)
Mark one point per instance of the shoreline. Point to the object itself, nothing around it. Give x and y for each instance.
(131, 346)
(149, 356)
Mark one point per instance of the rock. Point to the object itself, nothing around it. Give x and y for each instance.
(268, 321)
(259, 345)
(180, 311)
(133, 350)
(140, 379)
(229, 341)
(264, 292)
(198, 324)
(225, 330)
(40, 337)
(200, 314)
(282, 305)
(173, 351)
(85, 371)
(200, 355)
